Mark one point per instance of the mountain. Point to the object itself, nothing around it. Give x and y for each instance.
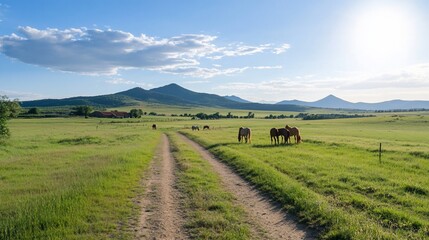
(204, 99)
(332, 101)
(237, 99)
(171, 94)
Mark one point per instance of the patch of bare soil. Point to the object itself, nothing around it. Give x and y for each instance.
(160, 216)
(263, 214)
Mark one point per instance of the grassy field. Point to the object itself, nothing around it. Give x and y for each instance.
(72, 178)
(334, 178)
(78, 178)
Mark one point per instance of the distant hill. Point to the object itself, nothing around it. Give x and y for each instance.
(332, 101)
(237, 99)
(171, 94)
(112, 100)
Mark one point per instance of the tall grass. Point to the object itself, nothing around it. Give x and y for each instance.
(72, 178)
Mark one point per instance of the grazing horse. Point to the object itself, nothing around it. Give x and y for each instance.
(294, 131)
(154, 126)
(285, 135)
(194, 128)
(244, 133)
(206, 127)
(274, 135)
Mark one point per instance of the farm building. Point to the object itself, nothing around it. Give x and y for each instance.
(112, 114)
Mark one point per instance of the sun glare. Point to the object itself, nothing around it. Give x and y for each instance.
(383, 34)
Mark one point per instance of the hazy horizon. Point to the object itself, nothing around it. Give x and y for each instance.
(270, 51)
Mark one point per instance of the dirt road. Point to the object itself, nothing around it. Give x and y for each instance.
(275, 223)
(161, 217)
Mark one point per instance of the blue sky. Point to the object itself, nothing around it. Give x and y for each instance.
(260, 50)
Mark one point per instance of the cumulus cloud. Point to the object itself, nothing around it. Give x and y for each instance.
(104, 52)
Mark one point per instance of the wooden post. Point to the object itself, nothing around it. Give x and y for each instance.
(379, 153)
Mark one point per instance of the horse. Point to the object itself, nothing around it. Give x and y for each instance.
(154, 126)
(194, 128)
(285, 135)
(294, 131)
(274, 135)
(206, 127)
(244, 133)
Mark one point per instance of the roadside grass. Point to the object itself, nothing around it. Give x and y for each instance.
(210, 211)
(72, 179)
(337, 184)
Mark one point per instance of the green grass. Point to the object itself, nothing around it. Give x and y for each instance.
(72, 178)
(77, 178)
(334, 179)
(210, 212)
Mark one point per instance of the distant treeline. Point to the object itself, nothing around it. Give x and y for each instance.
(217, 115)
(281, 116)
(307, 116)
(403, 110)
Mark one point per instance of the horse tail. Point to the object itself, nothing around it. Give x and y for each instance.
(250, 136)
(298, 138)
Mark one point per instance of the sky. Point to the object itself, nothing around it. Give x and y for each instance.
(265, 51)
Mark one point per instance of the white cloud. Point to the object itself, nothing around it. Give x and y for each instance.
(408, 83)
(281, 49)
(268, 67)
(21, 96)
(104, 52)
(121, 81)
(200, 72)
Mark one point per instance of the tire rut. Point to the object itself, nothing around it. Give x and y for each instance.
(261, 211)
(160, 215)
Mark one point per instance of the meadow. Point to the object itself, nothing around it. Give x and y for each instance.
(334, 179)
(73, 178)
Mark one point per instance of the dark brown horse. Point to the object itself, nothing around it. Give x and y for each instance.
(285, 134)
(245, 133)
(206, 127)
(154, 126)
(274, 134)
(294, 131)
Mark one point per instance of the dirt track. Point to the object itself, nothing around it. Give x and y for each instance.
(275, 223)
(161, 218)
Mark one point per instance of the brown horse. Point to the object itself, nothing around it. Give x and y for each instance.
(245, 133)
(195, 128)
(206, 127)
(274, 135)
(154, 126)
(294, 131)
(285, 135)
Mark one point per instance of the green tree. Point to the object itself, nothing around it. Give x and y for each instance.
(33, 111)
(83, 111)
(136, 113)
(8, 109)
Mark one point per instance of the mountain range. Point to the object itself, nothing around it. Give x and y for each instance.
(332, 101)
(173, 94)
